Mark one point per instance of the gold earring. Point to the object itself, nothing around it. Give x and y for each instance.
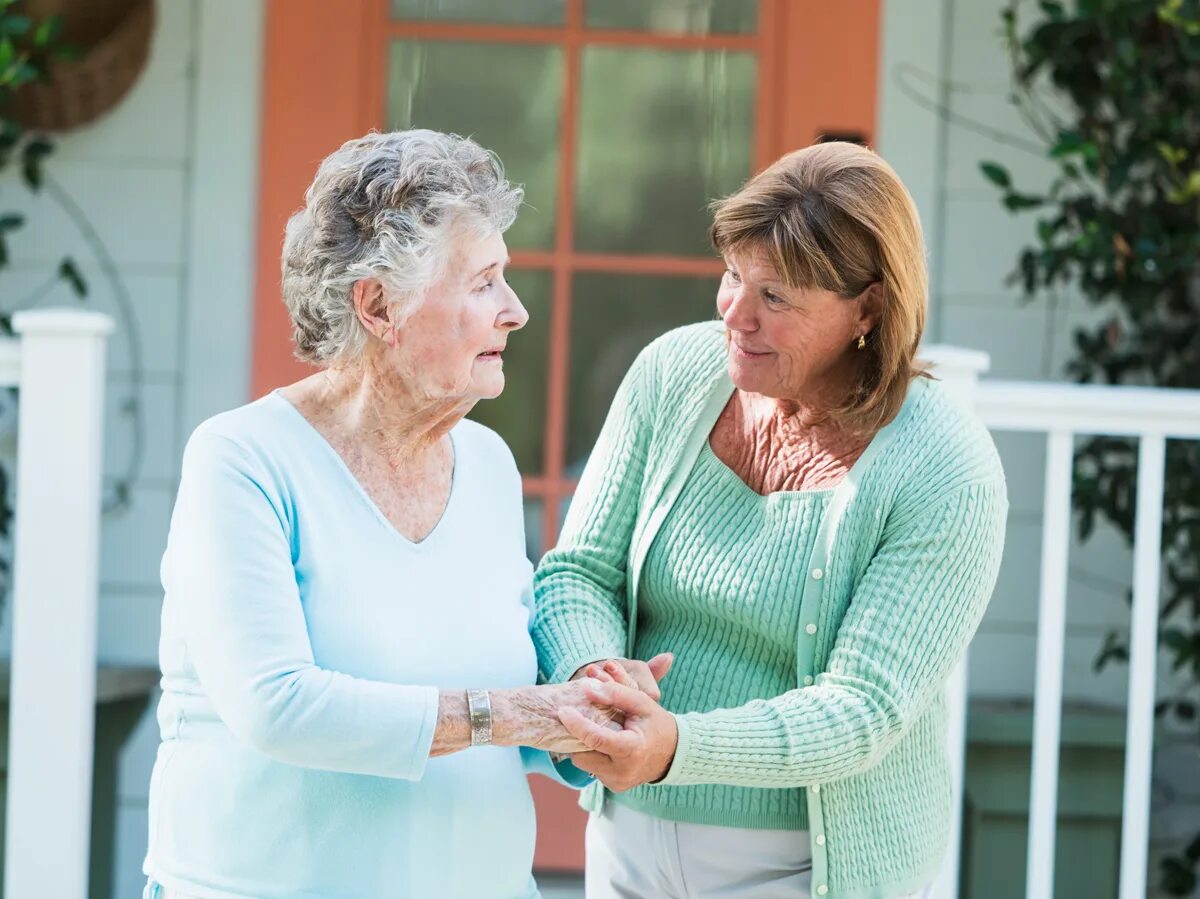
(862, 341)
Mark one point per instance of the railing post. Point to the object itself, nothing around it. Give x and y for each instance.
(55, 585)
(1051, 651)
(1143, 650)
(959, 371)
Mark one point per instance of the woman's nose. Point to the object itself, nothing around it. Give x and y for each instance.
(514, 316)
(738, 316)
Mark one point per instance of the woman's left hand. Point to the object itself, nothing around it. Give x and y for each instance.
(640, 752)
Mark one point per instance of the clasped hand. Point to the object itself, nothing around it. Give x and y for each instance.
(629, 739)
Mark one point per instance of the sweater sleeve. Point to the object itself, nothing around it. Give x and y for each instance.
(228, 570)
(539, 761)
(564, 772)
(908, 623)
(580, 584)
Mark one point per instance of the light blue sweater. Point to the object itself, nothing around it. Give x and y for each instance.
(304, 641)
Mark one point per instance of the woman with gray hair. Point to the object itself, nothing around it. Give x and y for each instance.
(346, 559)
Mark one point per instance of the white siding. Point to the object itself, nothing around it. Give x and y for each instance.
(168, 179)
(974, 242)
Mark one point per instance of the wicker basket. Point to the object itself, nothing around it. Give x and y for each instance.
(113, 40)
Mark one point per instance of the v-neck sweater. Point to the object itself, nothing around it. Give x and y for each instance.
(304, 643)
(902, 568)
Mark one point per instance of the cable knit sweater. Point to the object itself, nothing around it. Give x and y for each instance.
(902, 569)
(719, 590)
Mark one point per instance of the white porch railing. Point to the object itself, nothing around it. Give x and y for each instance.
(57, 364)
(1062, 411)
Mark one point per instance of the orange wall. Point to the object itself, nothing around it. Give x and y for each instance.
(829, 69)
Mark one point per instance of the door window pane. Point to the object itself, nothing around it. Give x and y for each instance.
(675, 16)
(612, 318)
(507, 97)
(662, 133)
(508, 12)
(519, 413)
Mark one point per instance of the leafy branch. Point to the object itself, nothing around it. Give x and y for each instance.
(1120, 223)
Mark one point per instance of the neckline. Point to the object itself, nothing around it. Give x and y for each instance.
(774, 495)
(852, 475)
(338, 461)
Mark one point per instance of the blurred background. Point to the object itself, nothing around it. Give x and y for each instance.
(151, 151)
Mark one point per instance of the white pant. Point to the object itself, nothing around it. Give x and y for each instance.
(632, 855)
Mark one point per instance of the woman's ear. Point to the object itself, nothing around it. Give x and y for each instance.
(372, 310)
(870, 307)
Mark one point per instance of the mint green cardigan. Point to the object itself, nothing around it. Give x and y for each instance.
(903, 567)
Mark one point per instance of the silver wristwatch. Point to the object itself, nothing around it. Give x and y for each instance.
(479, 705)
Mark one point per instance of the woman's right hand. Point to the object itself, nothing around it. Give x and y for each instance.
(635, 673)
(528, 716)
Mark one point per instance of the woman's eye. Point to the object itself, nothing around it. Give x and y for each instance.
(775, 299)
(733, 276)
(485, 286)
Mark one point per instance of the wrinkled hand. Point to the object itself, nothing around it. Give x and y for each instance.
(536, 714)
(641, 751)
(634, 673)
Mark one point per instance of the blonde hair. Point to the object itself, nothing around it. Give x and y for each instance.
(835, 216)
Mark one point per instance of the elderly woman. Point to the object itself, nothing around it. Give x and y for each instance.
(346, 558)
(787, 502)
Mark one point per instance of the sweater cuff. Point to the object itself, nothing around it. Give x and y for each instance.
(570, 648)
(570, 776)
(565, 644)
(570, 664)
(561, 770)
(677, 773)
(416, 755)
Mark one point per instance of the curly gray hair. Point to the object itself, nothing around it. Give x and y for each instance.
(384, 206)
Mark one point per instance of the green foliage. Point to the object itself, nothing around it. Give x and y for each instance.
(1120, 224)
(26, 46)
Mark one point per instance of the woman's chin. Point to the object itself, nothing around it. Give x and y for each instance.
(747, 381)
(490, 387)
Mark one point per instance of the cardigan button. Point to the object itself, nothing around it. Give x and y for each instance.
(820, 839)
(816, 788)
(817, 574)
(822, 890)
(808, 679)
(810, 629)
